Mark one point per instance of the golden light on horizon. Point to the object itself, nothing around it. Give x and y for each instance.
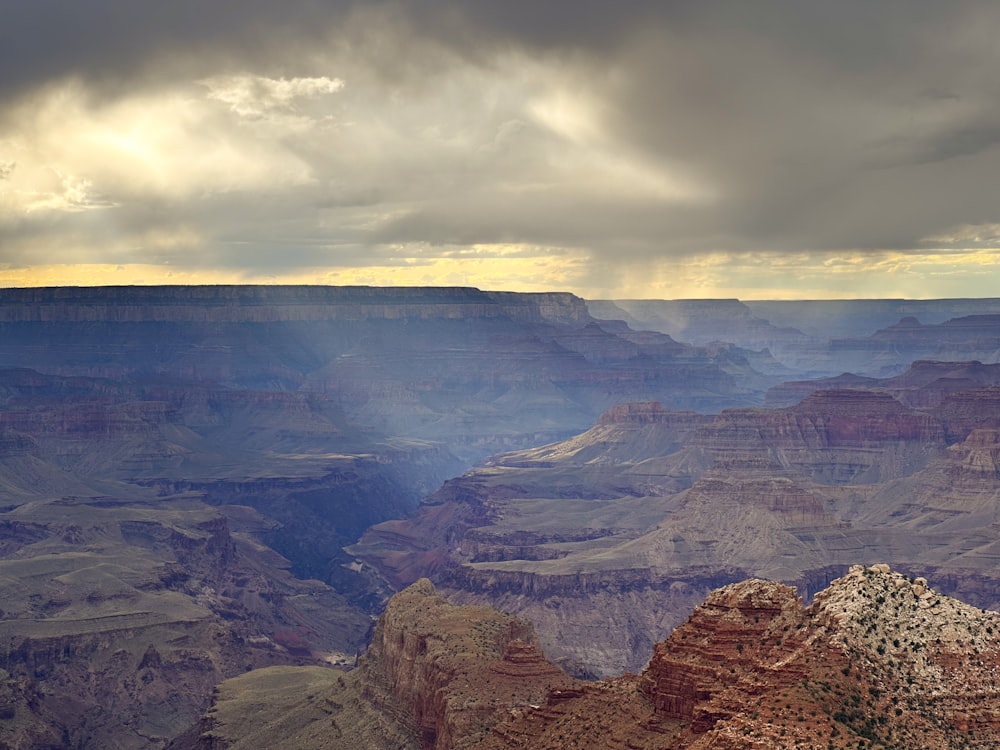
(511, 267)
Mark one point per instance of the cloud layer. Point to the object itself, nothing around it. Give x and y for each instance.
(632, 149)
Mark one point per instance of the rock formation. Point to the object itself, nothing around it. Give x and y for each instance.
(877, 660)
(925, 384)
(435, 677)
(181, 467)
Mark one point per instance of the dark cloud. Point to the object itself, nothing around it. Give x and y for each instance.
(634, 130)
(111, 42)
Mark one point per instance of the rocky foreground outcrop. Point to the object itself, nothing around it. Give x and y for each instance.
(435, 676)
(878, 660)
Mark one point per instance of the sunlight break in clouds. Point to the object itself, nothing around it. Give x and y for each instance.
(251, 96)
(164, 144)
(835, 275)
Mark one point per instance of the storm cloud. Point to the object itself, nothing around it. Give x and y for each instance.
(635, 148)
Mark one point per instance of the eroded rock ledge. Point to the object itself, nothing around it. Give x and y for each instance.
(877, 660)
(435, 676)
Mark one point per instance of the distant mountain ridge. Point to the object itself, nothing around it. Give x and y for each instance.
(827, 319)
(822, 338)
(267, 303)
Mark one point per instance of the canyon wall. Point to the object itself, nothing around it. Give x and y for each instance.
(435, 677)
(606, 540)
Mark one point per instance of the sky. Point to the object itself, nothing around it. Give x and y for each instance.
(760, 149)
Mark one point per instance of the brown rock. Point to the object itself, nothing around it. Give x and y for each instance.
(436, 677)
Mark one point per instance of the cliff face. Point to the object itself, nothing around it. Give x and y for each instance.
(965, 411)
(877, 660)
(834, 437)
(242, 304)
(453, 672)
(435, 677)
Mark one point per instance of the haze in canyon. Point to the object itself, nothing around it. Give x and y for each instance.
(212, 481)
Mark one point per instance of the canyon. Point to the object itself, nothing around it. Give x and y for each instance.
(181, 467)
(202, 482)
(605, 541)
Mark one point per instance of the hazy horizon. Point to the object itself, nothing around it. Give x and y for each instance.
(485, 289)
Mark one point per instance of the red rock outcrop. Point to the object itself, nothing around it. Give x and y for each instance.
(878, 660)
(730, 631)
(436, 677)
(441, 665)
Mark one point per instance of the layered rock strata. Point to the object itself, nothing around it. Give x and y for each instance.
(607, 539)
(435, 677)
(119, 617)
(877, 660)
